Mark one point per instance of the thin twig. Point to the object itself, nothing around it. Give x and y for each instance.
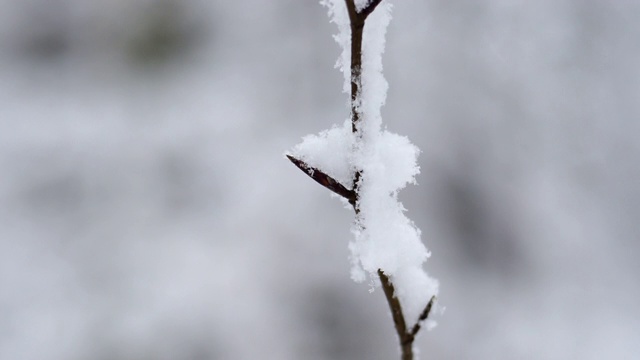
(325, 180)
(423, 316)
(369, 9)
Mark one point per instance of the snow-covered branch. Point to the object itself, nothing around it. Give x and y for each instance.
(375, 164)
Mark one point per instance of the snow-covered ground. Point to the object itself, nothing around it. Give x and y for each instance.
(146, 210)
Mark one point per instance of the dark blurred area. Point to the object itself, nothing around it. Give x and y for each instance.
(147, 212)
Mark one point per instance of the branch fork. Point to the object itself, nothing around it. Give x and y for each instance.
(406, 335)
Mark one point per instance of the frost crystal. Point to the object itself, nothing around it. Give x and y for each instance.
(384, 237)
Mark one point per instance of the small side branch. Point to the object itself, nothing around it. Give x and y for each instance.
(423, 316)
(405, 336)
(325, 180)
(363, 13)
(369, 9)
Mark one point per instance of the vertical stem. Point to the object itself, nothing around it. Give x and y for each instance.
(357, 20)
(357, 28)
(405, 338)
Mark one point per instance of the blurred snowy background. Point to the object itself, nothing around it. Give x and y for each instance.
(147, 212)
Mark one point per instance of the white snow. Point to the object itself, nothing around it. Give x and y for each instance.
(339, 16)
(384, 237)
(361, 4)
(329, 151)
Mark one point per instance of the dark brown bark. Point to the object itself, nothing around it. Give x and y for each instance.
(325, 180)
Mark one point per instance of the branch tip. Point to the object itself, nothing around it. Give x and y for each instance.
(369, 9)
(424, 315)
(325, 180)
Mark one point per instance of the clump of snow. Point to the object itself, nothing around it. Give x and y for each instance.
(361, 4)
(384, 238)
(373, 84)
(339, 16)
(331, 152)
